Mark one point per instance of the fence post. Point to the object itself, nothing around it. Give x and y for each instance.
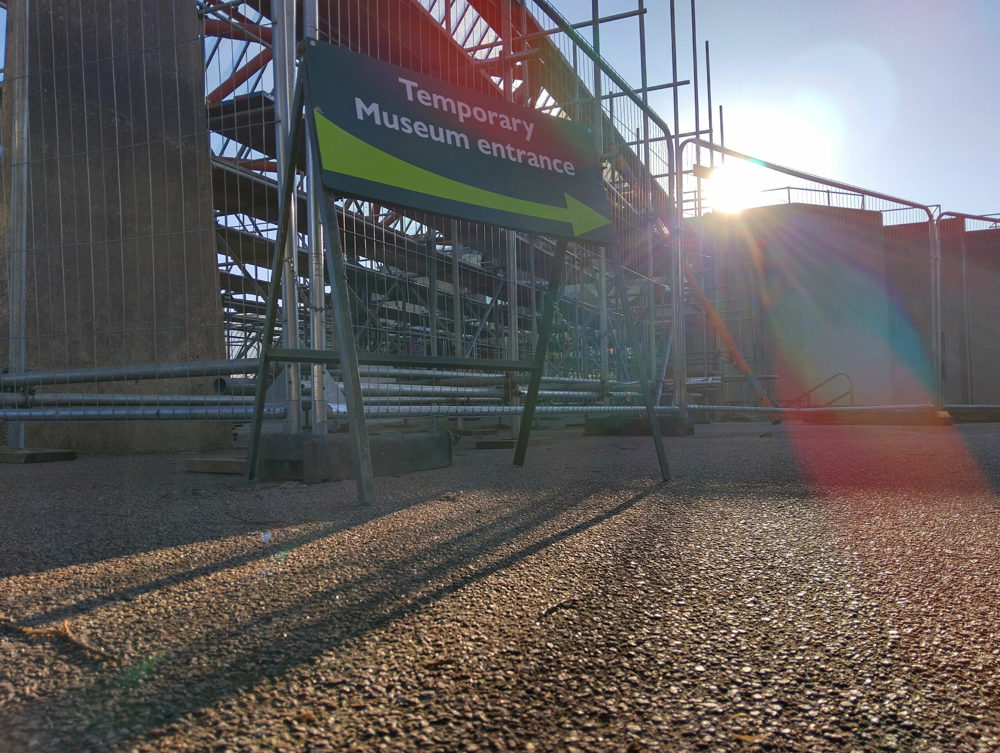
(286, 198)
(677, 289)
(936, 355)
(317, 283)
(541, 348)
(17, 71)
(284, 55)
(346, 344)
(634, 339)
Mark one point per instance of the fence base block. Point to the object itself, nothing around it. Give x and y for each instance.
(670, 426)
(882, 417)
(313, 460)
(36, 456)
(974, 414)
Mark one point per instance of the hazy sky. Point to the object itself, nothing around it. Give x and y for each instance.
(897, 96)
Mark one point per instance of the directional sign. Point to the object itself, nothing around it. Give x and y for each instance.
(390, 134)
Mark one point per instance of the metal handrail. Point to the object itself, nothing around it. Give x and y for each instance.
(802, 401)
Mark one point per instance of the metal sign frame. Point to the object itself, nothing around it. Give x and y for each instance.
(347, 357)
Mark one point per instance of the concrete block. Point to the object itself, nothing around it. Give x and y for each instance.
(974, 414)
(670, 426)
(312, 460)
(921, 416)
(505, 444)
(36, 456)
(229, 466)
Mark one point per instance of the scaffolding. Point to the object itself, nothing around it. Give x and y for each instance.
(421, 288)
(425, 285)
(139, 247)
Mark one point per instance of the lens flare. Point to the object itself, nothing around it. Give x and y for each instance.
(735, 186)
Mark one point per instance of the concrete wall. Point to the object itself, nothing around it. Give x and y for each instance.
(908, 262)
(805, 291)
(969, 335)
(120, 251)
(955, 381)
(811, 291)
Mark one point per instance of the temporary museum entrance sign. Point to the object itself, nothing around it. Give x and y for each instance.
(390, 134)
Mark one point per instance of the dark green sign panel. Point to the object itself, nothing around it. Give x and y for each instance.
(390, 134)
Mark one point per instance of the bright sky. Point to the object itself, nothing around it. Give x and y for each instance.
(897, 96)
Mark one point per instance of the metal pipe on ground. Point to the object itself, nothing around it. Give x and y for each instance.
(129, 373)
(237, 386)
(391, 371)
(140, 413)
(391, 388)
(568, 394)
(223, 386)
(20, 400)
(405, 401)
(400, 411)
(467, 411)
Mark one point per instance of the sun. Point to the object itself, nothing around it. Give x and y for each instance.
(737, 185)
(806, 136)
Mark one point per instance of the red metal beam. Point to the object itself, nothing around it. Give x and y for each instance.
(217, 27)
(265, 163)
(234, 13)
(240, 76)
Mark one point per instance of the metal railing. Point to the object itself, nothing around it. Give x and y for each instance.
(805, 399)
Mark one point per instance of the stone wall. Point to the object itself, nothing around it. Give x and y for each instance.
(121, 266)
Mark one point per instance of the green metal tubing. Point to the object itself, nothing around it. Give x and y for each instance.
(332, 358)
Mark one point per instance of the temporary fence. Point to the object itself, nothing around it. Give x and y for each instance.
(146, 156)
(123, 231)
(831, 293)
(969, 294)
(108, 219)
(433, 291)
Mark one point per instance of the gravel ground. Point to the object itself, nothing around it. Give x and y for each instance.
(800, 588)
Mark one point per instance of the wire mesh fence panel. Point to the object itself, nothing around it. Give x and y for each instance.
(113, 266)
(429, 285)
(142, 168)
(970, 289)
(143, 272)
(831, 293)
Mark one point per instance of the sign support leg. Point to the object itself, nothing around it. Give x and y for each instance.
(632, 334)
(544, 333)
(347, 346)
(277, 267)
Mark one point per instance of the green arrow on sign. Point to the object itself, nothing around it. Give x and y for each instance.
(345, 153)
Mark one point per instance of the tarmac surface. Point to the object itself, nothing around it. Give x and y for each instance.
(794, 587)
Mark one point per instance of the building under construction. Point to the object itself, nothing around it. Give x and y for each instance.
(166, 240)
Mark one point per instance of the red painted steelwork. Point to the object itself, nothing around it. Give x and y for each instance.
(239, 77)
(264, 164)
(216, 27)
